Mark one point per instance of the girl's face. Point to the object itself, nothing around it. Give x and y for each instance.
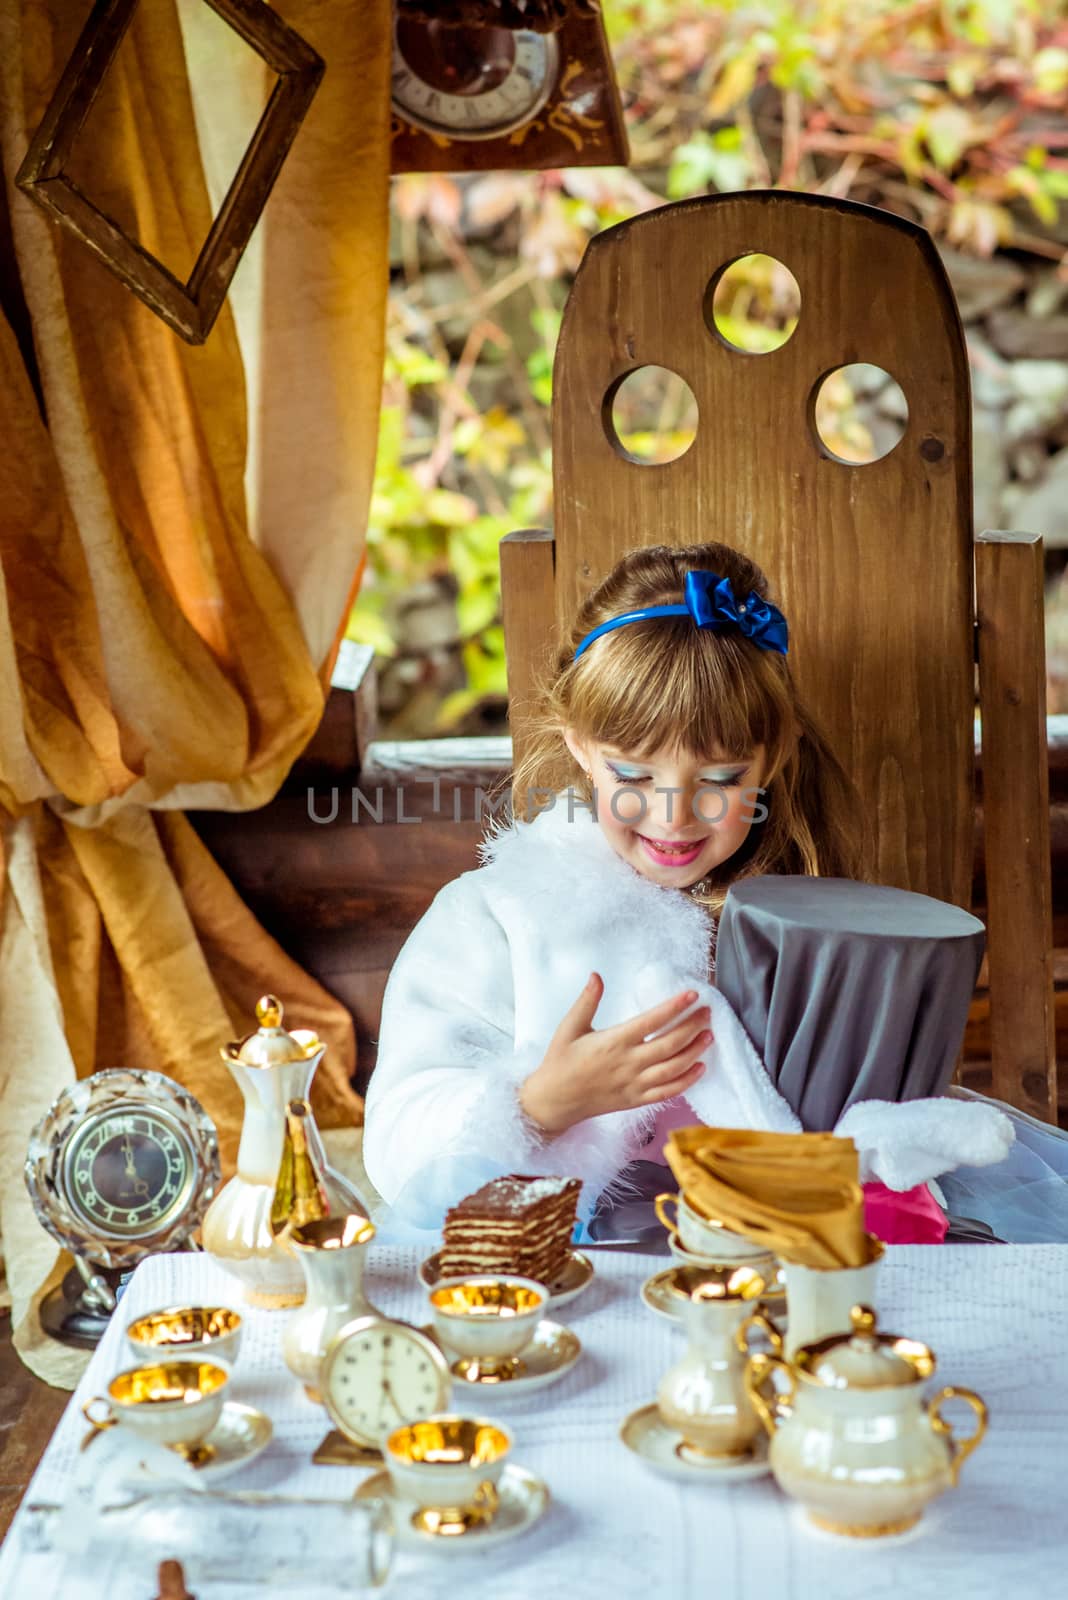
(672, 818)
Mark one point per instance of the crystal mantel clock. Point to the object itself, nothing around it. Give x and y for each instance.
(123, 1165)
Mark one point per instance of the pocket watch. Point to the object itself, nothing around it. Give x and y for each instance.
(378, 1373)
(122, 1164)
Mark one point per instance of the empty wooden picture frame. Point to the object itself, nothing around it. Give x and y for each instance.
(189, 308)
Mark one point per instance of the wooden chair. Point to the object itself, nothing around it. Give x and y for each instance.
(891, 598)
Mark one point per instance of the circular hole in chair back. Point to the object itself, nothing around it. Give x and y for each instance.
(859, 413)
(650, 416)
(753, 304)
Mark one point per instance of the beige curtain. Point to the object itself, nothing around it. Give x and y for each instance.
(180, 531)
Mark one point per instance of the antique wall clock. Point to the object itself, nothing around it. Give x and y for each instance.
(123, 1164)
(487, 84)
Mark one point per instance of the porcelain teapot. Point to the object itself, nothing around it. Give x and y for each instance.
(853, 1438)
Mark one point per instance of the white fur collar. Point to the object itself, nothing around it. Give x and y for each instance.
(555, 856)
(659, 944)
(562, 856)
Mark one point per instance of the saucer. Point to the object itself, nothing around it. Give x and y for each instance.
(648, 1435)
(658, 1297)
(523, 1499)
(553, 1351)
(240, 1435)
(577, 1274)
(757, 1259)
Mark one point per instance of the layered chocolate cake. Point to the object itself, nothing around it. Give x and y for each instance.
(515, 1224)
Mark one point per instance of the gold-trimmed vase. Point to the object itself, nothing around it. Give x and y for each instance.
(331, 1253)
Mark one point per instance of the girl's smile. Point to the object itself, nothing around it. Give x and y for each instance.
(671, 855)
(673, 818)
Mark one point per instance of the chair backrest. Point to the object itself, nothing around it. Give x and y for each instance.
(873, 564)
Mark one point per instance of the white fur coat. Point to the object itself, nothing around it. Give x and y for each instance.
(484, 980)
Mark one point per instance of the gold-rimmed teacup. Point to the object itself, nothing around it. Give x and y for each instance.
(761, 1261)
(172, 1403)
(185, 1332)
(449, 1467)
(696, 1239)
(487, 1320)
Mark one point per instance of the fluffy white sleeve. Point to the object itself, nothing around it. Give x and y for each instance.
(902, 1145)
(442, 1108)
(447, 1069)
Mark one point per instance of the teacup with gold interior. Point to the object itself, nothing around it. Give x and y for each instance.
(488, 1321)
(449, 1466)
(173, 1403)
(213, 1332)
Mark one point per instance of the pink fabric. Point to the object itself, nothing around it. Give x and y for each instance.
(911, 1217)
(671, 1114)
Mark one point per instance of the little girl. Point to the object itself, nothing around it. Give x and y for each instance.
(553, 1011)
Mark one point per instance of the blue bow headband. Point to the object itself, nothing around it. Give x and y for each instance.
(710, 602)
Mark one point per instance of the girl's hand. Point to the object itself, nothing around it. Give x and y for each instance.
(588, 1071)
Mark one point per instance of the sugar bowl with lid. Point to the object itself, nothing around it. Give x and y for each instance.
(853, 1438)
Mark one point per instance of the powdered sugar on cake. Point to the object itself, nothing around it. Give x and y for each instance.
(519, 1223)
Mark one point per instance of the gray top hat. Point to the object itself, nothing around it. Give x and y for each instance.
(848, 991)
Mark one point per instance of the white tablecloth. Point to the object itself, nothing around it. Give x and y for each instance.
(996, 1317)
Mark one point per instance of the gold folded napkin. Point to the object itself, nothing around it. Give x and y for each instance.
(796, 1194)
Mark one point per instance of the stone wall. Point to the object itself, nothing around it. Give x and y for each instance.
(1016, 325)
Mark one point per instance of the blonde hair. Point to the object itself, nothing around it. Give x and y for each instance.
(662, 683)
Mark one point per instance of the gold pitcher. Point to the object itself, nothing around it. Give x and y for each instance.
(703, 1396)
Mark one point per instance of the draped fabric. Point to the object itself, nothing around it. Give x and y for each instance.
(181, 529)
(849, 991)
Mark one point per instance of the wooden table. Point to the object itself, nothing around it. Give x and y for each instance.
(29, 1411)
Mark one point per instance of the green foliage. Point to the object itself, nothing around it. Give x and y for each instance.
(708, 161)
(421, 527)
(546, 322)
(950, 112)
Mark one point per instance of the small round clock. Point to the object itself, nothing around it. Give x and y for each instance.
(379, 1373)
(122, 1165)
(468, 82)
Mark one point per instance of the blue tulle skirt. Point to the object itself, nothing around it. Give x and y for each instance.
(1023, 1199)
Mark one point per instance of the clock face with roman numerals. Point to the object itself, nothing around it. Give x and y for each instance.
(378, 1374)
(470, 83)
(123, 1164)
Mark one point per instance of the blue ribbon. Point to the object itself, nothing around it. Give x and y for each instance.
(711, 603)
